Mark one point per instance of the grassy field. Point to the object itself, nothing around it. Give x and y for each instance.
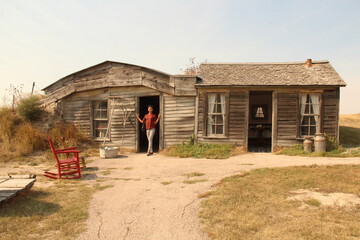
(350, 130)
(52, 209)
(58, 212)
(256, 205)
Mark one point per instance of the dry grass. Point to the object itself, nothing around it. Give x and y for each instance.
(21, 140)
(255, 205)
(166, 183)
(193, 174)
(350, 120)
(56, 212)
(193, 181)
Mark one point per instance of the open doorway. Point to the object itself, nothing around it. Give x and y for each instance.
(260, 121)
(143, 105)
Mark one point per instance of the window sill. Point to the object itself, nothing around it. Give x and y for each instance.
(102, 139)
(303, 138)
(215, 137)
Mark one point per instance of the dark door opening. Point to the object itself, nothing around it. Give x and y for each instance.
(260, 121)
(143, 106)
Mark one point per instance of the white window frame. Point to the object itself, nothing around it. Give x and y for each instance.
(312, 110)
(212, 104)
(100, 119)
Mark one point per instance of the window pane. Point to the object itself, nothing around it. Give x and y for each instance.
(218, 98)
(100, 114)
(219, 119)
(304, 130)
(213, 129)
(312, 130)
(306, 120)
(101, 124)
(219, 129)
(311, 109)
(101, 105)
(307, 108)
(100, 133)
(219, 109)
(211, 119)
(312, 120)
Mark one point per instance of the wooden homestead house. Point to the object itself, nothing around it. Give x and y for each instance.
(256, 105)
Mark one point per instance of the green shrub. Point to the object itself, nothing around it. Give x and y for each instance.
(200, 150)
(331, 143)
(29, 108)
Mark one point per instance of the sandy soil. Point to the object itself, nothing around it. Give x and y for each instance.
(140, 207)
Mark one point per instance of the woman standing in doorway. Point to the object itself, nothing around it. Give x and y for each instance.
(150, 122)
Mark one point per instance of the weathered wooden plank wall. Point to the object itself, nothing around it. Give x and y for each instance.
(287, 118)
(237, 118)
(179, 121)
(237, 114)
(77, 109)
(331, 112)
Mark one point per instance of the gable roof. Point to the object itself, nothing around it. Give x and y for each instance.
(317, 73)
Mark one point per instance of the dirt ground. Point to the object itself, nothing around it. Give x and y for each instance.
(149, 199)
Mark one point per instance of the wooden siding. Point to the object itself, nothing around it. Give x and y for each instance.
(237, 118)
(330, 110)
(77, 109)
(287, 118)
(178, 119)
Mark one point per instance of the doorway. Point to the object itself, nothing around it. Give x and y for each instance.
(260, 121)
(144, 102)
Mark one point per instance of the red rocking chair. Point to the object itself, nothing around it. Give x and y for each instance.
(68, 168)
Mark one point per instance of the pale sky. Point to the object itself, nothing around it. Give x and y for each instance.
(42, 41)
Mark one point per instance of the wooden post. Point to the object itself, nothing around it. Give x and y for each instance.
(32, 90)
(247, 109)
(196, 114)
(274, 120)
(137, 137)
(337, 130)
(162, 112)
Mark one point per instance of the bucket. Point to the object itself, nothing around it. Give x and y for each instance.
(319, 142)
(308, 144)
(108, 152)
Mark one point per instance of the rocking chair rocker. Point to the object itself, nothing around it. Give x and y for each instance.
(68, 168)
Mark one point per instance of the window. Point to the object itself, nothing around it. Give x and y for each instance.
(310, 114)
(100, 119)
(216, 114)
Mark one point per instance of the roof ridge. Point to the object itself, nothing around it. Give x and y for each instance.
(262, 63)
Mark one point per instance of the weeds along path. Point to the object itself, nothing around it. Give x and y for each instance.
(156, 197)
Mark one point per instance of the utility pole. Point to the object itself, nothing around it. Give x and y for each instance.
(32, 90)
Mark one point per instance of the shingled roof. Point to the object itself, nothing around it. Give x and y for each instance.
(317, 73)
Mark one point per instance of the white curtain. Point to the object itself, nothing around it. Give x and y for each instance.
(315, 100)
(222, 97)
(211, 108)
(303, 104)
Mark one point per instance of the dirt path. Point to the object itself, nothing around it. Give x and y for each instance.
(140, 207)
